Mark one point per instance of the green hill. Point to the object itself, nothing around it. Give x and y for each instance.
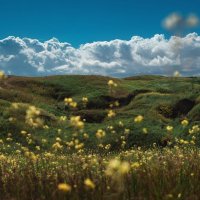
(161, 100)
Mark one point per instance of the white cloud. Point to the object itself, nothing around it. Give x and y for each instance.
(138, 55)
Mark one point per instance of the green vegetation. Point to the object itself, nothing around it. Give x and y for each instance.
(162, 101)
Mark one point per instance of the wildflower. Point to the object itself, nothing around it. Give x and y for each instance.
(11, 119)
(111, 114)
(76, 122)
(116, 103)
(2, 157)
(59, 131)
(100, 133)
(9, 139)
(138, 119)
(85, 135)
(116, 168)
(18, 151)
(111, 83)
(184, 122)
(64, 187)
(195, 129)
(113, 165)
(79, 146)
(181, 141)
(107, 147)
(177, 74)
(69, 102)
(37, 148)
(89, 183)
(58, 139)
(73, 104)
(44, 141)
(101, 146)
(45, 127)
(169, 128)
(126, 131)
(123, 144)
(135, 165)
(145, 131)
(15, 105)
(57, 146)
(124, 167)
(120, 124)
(192, 174)
(32, 117)
(179, 195)
(2, 75)
(85, 100)
(23, 132)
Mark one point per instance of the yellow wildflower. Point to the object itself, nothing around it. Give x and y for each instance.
(64, 187)
(89, 183)
(138, 119)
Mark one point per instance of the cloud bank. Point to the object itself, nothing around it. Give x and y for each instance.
(120, 58)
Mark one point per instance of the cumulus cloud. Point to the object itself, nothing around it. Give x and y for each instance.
(120, 58)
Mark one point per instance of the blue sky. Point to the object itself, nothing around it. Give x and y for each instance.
(81, 21)
(84, 36)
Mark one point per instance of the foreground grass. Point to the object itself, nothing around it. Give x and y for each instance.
(170, 173)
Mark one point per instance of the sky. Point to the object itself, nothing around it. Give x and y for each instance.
(76, 25)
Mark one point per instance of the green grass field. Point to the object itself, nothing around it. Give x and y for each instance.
(87, 137)
(162, 101)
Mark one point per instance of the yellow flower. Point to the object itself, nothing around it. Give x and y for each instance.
(111, 114)
(32, 117)
(68, 100)
(111, 83)
(100, 133)
(169, 128)
(135, 165)
(58, 139)
(63, 118)
(64, 187)
(85, 135)
(44, 141)
(181, 141)
(85, 100)
(37, 148)
(117, 103)
(89, 183)
(124, 167)
(195, 129)
(145, 131)
(2, 75)
(76, 122)
(179, 195)
(138, 119)
(73, 104)
(57, 146)
(23, 132)
(18, 151)
(177, 74)
(45, 127)
(185, 122)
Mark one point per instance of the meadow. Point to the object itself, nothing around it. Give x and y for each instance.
(95, 137)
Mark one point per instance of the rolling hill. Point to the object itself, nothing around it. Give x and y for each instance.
(161, 100)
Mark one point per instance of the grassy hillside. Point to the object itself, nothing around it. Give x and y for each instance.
(162, 101)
